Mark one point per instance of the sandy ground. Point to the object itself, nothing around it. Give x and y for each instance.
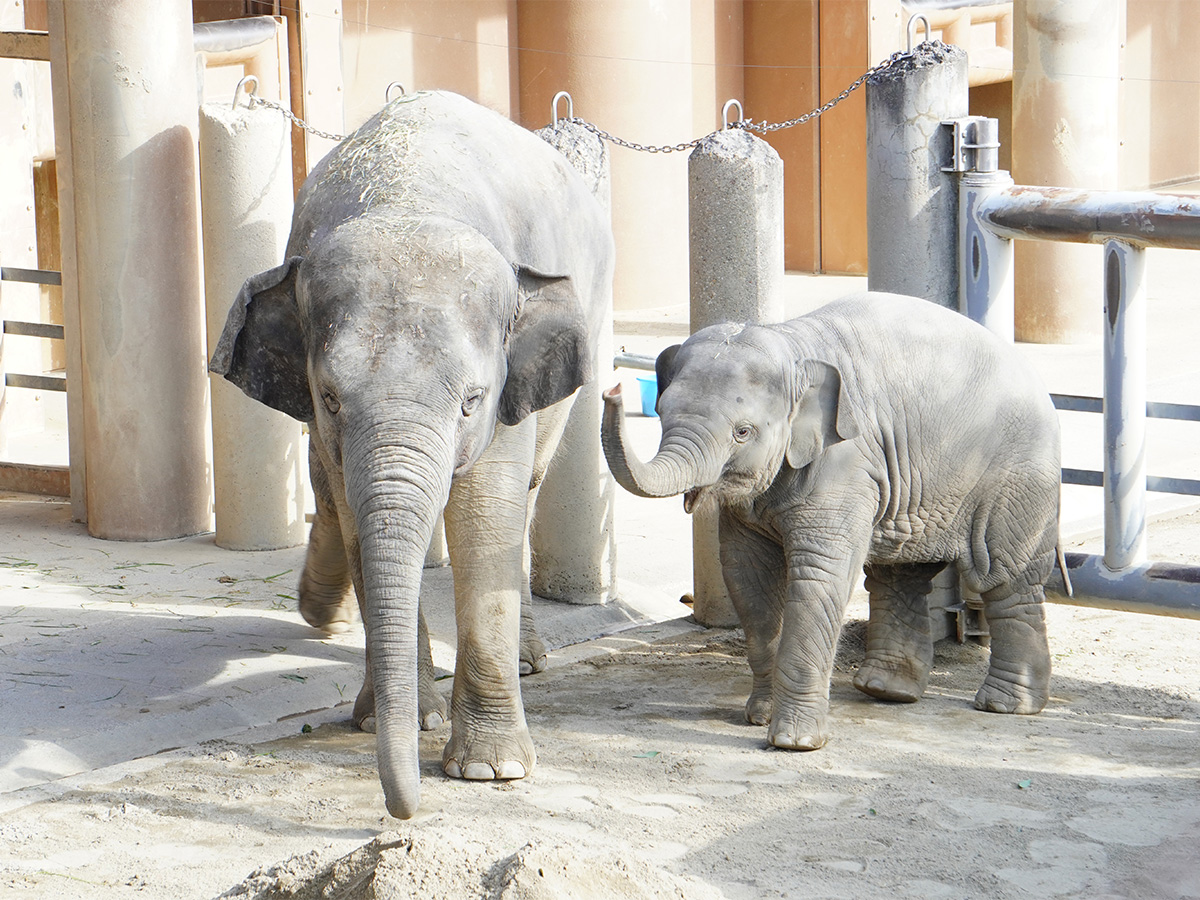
(649, 784)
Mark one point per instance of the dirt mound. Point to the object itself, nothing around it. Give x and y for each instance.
(402, 864)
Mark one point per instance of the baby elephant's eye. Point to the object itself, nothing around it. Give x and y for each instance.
(331, 402)
(472, 400)
(743, 433)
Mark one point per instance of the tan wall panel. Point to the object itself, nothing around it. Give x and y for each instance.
(843, 41)
(427, 44)
(781, 83)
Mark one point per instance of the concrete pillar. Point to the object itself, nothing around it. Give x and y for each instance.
(573, 539)
(258, 453)
(735, 218)
(131, 86)
(627, 64)
(1065, 134)
(912, 206)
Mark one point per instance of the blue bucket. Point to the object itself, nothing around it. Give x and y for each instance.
(649, 389)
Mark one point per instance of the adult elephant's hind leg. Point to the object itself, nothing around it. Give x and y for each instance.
(1018, 678)
(485, 522)
(325, 600)
(899, 640)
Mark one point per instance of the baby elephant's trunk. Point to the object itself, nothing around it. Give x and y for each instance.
(667, 475)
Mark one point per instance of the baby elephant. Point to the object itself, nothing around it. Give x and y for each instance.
(879, 432)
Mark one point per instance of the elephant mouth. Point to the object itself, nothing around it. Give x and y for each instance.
(691, 498)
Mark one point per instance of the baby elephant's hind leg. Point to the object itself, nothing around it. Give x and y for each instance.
(1018, 678)
(899, 641)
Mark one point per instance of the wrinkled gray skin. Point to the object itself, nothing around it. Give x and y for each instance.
(445, 282)
(879, 432)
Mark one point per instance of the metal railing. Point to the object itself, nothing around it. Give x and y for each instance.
(33, 329)
(993, 211)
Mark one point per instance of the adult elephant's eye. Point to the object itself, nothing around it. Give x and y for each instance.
(472, 400)
(743, 433)
(331, 402)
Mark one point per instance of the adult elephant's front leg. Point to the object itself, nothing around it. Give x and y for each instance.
(485, 524)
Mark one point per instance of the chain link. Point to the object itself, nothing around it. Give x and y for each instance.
(256, 100)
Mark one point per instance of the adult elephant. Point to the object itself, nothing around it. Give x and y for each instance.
(444, 285)
(879, 431)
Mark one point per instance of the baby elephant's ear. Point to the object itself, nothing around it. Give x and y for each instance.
(822, 415)
(261, 349)
(549, 349)
(664, 370)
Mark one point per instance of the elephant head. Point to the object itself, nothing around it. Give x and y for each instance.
(734, 407)
(403, 341)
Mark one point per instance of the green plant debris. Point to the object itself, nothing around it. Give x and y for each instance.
(306, 729)
(290, 677)
(278, 648)
(649, 754)
(1024, 785)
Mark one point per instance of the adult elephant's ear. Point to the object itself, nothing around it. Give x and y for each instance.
(549, 349)
(261, 349)
(822, 413)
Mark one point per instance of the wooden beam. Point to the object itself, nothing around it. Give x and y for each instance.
(53, 481)
(25, 45)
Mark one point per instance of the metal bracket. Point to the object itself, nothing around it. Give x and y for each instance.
(975, 144)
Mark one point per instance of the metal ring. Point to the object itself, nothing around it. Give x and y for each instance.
(387, 91)
(725, 112)
(912, 21)
(249, 91)
(554, 117)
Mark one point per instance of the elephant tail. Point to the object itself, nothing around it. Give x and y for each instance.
(1062, 567)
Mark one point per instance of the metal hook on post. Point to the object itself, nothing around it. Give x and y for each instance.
(237, 91)
(387, 91)
(912, 31)
(725, 113)
(554, 117)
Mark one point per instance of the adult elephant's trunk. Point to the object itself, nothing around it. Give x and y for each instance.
(395, 506)
(673, 470)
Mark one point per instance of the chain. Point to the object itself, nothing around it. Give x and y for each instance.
(256, 100)
(747, 124)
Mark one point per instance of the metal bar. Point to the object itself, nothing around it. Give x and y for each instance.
(1163, 589)
(30, 276)
(33, 329)
(1183, 412)
(1093, 217)
(25, 45)
(233, 34)
(1158, 484)
(1125, 405)
(985, 266)
(36, 382)
(633, 361)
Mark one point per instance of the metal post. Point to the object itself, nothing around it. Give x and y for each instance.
(735, 232)
(985, 274)
(1124, 405)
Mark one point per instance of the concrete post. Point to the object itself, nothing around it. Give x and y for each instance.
(912, 205)
(573, 540)
(132, 89)
(735, 228)
(1066, 81)
(258, 453)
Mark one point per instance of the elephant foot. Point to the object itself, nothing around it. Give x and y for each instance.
(758, 708)
(797, 732)
(489, 756)
(1003, 695)
(888, 679)
(328, 607)
(533, 651)
(431, 705)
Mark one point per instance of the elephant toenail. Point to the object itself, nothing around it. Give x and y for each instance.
(432, 721)
(478, 771)
(367, 725)
(511, 769)
(451, 768)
